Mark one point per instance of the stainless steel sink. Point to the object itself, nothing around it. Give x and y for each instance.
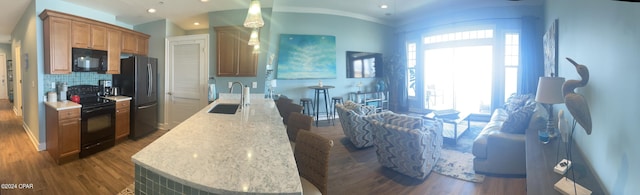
(225, 108)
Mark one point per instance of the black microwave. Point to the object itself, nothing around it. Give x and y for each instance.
(87, 60)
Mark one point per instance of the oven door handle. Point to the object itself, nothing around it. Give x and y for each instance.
(148, 106)
(91, 110)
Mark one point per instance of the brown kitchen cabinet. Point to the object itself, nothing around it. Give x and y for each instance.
(63, 31)
(122, 120)
(57, 44)
(134, 43)
(235, 55)
(63, 133)
(88, 36)
(114, 38)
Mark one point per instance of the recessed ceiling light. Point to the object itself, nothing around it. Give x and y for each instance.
(204, 0)
(196, 23)
(384, 6)
(151, 10)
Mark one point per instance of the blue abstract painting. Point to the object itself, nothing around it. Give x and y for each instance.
(307, 57)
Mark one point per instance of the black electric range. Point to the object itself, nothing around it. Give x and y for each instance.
(97, 116)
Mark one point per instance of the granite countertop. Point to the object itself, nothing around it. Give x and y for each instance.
(63, 105)
(118, 98)
(246, 152)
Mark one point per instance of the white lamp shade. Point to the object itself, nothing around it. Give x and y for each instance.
(550, 90)
(254, 15)
(274, 83)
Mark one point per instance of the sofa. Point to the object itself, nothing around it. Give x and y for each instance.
(406, 144)
(354, 125)
(499, 149)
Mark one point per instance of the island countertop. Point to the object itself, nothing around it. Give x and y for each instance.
(246, 152)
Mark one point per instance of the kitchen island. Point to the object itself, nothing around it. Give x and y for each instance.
(243, 153)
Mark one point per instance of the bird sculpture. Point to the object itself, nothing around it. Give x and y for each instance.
(576, 103)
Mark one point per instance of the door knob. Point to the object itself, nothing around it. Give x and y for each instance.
(169, 93)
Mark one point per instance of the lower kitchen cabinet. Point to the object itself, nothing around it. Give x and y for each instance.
(123, 119)
(63, 134)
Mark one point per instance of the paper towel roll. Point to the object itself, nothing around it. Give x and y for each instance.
(52, 96)
(246, 92)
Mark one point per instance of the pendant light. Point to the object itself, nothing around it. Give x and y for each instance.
(256, 49)
(254, 15)
(254, 39)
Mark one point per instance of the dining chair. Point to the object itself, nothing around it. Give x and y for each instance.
(297, 122)
(312, 157)
(288, 109)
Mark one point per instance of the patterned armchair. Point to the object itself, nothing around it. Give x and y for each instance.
(406, 144)
(354, 125)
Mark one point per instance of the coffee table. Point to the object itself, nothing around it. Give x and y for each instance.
(454, 120)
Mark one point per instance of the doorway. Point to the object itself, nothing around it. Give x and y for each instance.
(186, 71)
(4, 79)
(17, 67)
(458, 78)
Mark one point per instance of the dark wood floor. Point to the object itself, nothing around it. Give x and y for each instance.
(351, 171)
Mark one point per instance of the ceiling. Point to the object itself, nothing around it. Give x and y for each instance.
(185, 12)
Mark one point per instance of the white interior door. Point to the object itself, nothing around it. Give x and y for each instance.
(4, 92)
(186, 70)
(17, 70)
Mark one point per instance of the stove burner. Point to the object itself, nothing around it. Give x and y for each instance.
(88, 96)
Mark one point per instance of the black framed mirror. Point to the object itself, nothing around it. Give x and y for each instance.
(364, 64)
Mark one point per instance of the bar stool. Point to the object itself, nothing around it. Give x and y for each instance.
(334, 101)
(306, 104)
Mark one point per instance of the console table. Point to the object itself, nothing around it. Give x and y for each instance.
(541, 158)
(379, 99)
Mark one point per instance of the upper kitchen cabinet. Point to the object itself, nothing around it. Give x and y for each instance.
(135, 43)
(63, 31)
(114, 38)
(57, 43)
(89, 36)
(235, 55)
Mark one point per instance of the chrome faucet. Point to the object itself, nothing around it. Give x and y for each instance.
(241, 92)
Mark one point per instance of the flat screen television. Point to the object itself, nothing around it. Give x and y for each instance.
(364, 64)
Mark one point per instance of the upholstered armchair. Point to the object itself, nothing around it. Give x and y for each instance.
(354, 125)
(406, 144)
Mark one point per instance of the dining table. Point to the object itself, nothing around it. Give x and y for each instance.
(324, 90)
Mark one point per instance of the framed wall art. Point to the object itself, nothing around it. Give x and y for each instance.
(306, 57)
(550, 45)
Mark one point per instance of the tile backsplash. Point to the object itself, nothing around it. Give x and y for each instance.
(75, 78)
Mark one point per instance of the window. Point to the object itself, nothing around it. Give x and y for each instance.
(411, 69)
(458, 71)
(511, 62)
(457, 36)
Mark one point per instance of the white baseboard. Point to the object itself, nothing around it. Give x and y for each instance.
(40, 146)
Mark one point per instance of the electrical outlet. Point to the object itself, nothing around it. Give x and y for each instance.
(254, 85)
(229, 84)
(53, 85)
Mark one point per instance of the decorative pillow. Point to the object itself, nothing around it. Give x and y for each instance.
(516, 101)
(518, 120)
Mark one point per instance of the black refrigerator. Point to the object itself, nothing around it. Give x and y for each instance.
(138, 80)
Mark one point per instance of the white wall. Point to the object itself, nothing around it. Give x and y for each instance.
(605, 36)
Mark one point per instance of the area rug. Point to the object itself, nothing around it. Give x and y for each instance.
(129, 190)
(456, 160)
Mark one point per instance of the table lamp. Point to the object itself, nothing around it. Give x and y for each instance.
(549, 92)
